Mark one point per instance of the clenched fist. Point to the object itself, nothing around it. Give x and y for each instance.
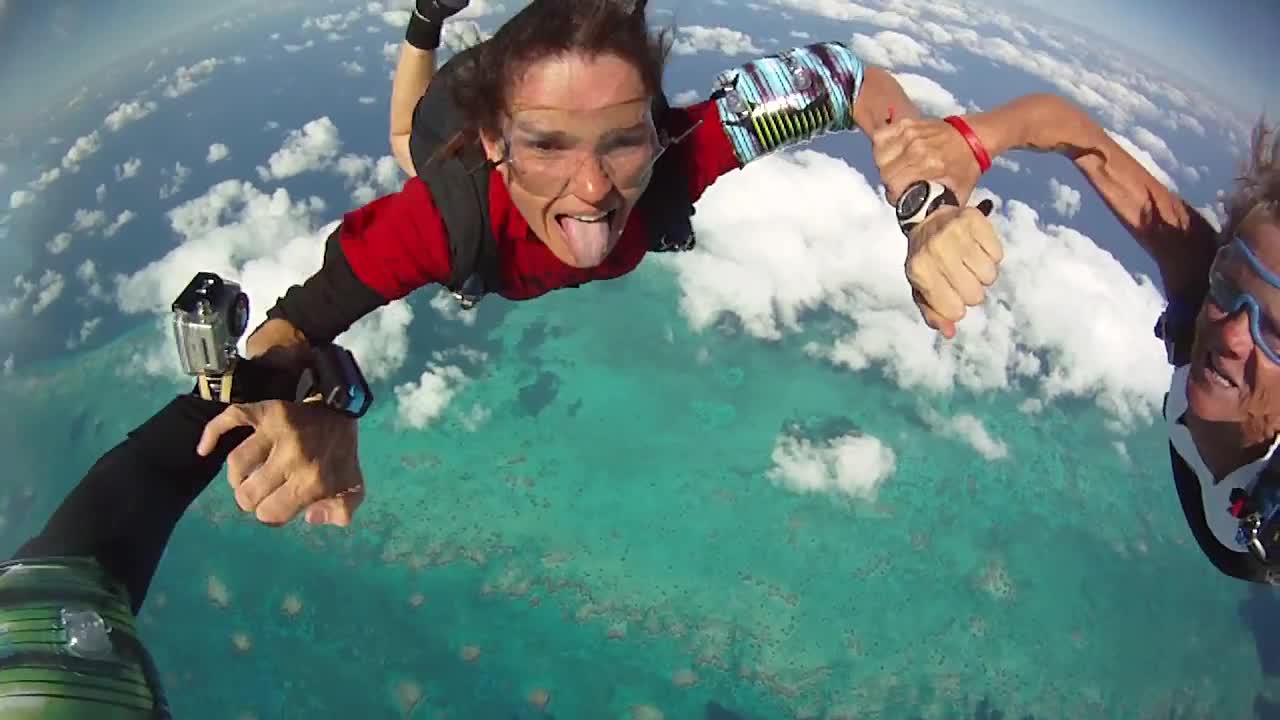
(952, 258)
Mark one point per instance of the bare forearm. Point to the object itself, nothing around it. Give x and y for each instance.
(1176, 237)
(880, 93)
(414, 70)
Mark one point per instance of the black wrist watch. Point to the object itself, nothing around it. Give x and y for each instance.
(920, 201)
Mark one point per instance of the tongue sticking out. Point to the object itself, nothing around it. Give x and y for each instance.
(588, 241)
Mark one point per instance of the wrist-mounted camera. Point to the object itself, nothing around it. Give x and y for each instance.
(209, 318)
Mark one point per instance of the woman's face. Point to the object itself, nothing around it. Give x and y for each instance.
(1232, 378)
(577, 152)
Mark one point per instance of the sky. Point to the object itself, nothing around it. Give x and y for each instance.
(1208, 40)
(1227, 46)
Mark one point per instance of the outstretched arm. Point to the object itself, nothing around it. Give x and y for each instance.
(1174, 234)
(1177, 237)
(124, 510)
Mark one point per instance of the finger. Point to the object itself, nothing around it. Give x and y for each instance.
(984, 234)
(287, 501)
(932, 318)
(246, 458)
(931, 285)
(981, 265)
(962, 280)
(261, 484)
(337, 511)
(233, 417)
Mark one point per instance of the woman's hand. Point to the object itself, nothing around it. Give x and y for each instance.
(952, 258)
(908, 150)
(299, 456)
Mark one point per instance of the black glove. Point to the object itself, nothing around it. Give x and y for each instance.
(428, 19)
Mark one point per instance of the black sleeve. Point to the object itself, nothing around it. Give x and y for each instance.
(329, 302)
(126, 507)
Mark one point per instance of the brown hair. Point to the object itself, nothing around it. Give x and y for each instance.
(1258, 185)
(482, 85)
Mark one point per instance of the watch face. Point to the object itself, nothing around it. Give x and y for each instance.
(912, 200)
(239, 320)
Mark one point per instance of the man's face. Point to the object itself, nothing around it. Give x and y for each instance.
(1234, 377)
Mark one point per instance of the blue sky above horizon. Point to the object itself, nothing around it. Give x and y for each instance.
(1207, 41)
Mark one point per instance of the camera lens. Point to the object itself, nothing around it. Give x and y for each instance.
(239, 320)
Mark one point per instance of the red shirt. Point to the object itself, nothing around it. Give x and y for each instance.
(398, 243)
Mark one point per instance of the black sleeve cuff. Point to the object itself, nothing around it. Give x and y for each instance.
(329, 302)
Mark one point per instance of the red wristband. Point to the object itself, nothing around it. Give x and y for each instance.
(979, 151)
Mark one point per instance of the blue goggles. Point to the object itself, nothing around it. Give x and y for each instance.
(1228, 299)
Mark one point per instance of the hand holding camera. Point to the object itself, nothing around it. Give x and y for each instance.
(302, 454)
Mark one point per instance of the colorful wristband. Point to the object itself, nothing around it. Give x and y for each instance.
(979, 151)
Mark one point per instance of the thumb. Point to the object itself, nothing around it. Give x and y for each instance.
(932, 318)
(229, 419)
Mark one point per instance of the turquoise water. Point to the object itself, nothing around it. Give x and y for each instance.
(609, 543)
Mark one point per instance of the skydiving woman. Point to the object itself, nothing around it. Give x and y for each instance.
(1221, 326)
(543, 158)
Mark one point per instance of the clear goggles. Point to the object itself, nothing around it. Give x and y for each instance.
(547, 150)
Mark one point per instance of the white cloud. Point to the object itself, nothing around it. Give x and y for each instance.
(800, 35)
(87, 273)
(312, 148)
(446, 305)
(86, 220)
(335, 22)
(82, 149)
(774, 245)
(3, 169)
(1066, 199)
(19, 198)
(853, 465)
(178, 178)
(370, 179)
(1215, 214)
(86, 330)
(1145, 159)
(267, 243)
(292, 48)
(459, 35)
(932, 99)
(50, 289)
(1190, 173)
(969, 430)
(129, 169)
(217, 152)
(47, 178)
(188, 78)
(101, 192)
(693, 39)
(367, 100)
(124, 218)
(391, 52)
(891, 49)
(128, 112)
(8, 365)
(1155, 145)
(59, 244)
(423, 402)
(1007, 164)
(352, 68)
